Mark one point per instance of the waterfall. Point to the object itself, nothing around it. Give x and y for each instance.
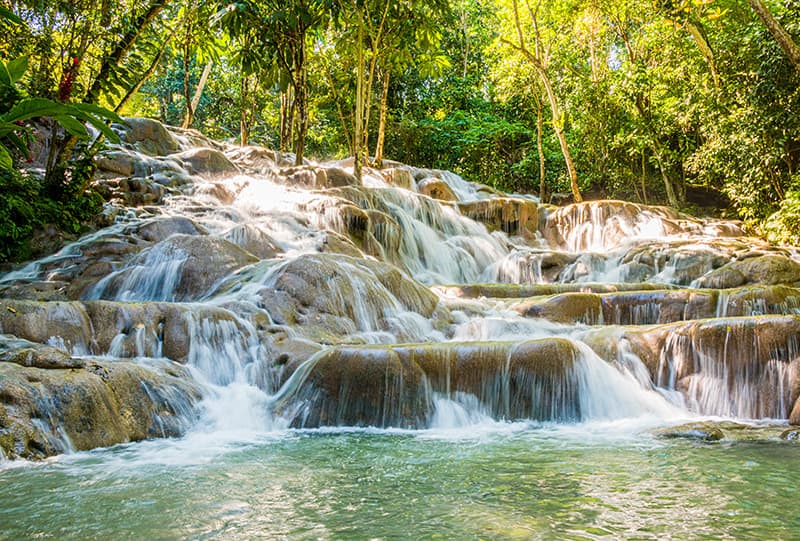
(301, 297)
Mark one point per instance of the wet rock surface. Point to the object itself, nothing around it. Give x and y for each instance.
(220, 268)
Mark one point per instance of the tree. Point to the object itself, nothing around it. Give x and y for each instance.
(778, 32)
(539, 59)
(285, 29)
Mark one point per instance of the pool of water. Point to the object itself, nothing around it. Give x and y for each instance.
(504, 481)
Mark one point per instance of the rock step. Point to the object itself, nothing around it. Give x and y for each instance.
(520, 291)
(51, 403)
(745, 367)
(650, 307)
(394, 385)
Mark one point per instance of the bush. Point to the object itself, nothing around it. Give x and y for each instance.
(784, 225)
(24, 208)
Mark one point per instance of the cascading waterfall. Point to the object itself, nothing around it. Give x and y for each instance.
(309, 304)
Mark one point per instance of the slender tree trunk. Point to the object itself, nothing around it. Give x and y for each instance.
(465, 29)
(540, 148)
(670, 189)
(358, 136)
(778, 32)
(382, 120)
(558, 117)
(198, 92)
(145, 76)
(244, 127)
(301, 100)
(187, 64)
(644, 178)
(700, 38)
(558, 128)
(287, 119)
(122, 47)
(340, 112)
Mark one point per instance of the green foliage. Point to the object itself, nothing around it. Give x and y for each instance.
(25, 208)
(784, 225)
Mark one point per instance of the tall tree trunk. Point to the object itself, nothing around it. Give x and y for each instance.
(244, 127)
(700, 38)
(187, 65)
(644, 179)
(287, 119)
(145, 76)
(465, 30)
(301, 100)
(540, 148)
(121, 48)
(778, 32)
(558, 117)
(340, 112)
(198, 92)
(382, 119)
(558, 128)
(358, 136)
(668, 186)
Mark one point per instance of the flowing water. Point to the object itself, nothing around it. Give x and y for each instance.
(374, 364)
(513, 481)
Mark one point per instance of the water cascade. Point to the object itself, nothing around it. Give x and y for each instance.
(230, 292)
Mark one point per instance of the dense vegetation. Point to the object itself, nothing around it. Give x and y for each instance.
(658, 101)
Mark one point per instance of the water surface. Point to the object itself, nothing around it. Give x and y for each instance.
(507, 481)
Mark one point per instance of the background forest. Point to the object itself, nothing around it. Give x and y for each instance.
(687, 102)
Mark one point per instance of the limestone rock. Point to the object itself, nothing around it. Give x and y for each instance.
(436, 188)
(191, 264)
(766, 269)
(254, 240)
(29, 354)
(252, 157)
(515, 216)
(385, 385)
(148, 136)
(206, 161)
(704, 431)
(48, 411)
(400, 177)
(65, 324)
(158, 229)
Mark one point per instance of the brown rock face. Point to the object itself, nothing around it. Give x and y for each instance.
(206, 161)
(770, 269)
(149, 136)
(514, 216)
(436, 188)
(83, 405)
(385, 385)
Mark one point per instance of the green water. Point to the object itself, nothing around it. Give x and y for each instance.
(507, 483)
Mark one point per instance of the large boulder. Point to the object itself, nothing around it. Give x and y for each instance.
(390, 385)
(206, 161)
(62, 324)
(48, 408)
(769, 269)
(436, 188)
(751, 364)
(515, 216)
(148, 136)
(182, 267)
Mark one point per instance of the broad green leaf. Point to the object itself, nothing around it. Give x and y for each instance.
(102, 112)
(73, 126)
(18, 142)
(7, 127)
(5, 77)
(5, 158)
(8, 15)
(17, 67)
(32, 108)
